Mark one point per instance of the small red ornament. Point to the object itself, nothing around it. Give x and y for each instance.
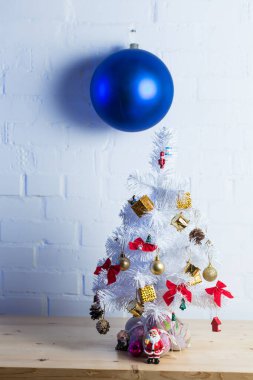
(173, 289)
(217, 291)
(141, 245)
(161, 160)
(215, 324)
(112, 271)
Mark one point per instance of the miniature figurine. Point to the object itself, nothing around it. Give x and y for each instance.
(123, 341)
(153, 346)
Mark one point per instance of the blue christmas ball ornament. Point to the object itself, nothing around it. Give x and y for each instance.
(132, 90)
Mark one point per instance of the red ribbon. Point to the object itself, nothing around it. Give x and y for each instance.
(140, 244)
(112, 271)
(173, 289)
(217, 291)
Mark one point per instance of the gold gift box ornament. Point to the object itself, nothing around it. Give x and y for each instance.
(147, 294)
(180, 221)
(142, 206)
(135, 307)
(194, 272)
(184, 201)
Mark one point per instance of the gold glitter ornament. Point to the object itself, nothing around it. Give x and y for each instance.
(147, 294)
(157, 267)
(184, 201)
(210, 273)
(124, 262)
(142, 206)
(180, 221)
(136, 308)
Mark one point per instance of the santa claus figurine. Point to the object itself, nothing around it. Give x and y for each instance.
(153, 346)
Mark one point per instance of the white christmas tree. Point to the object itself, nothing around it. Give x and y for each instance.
(161, 257)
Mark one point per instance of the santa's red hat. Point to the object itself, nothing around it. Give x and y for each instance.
(154, 329)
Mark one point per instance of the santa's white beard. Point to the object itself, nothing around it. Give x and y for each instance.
(154, 340)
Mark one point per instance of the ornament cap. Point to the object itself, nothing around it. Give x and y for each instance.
(134, 45)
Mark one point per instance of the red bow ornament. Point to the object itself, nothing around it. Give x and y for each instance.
(112, 271)
(141, 245)
(217, 291)
(173, 289)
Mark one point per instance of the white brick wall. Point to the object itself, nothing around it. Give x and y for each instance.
(63, 172)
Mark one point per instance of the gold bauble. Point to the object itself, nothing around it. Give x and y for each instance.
(124, 262)
(157, 267)
(210, 273)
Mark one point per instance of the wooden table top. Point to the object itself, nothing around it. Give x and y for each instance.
(71, 348)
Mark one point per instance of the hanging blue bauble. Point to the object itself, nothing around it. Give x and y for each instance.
(132, 90)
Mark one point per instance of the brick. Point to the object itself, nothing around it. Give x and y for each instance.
(224, 89)
(224, 188)
(18, 208)
(25, 160)
(46, 160)
(2, 83)
(30, 32)
(231, 211)
(71, 159)
(16, 257)
(76, 186)
(87, 259)
(69, 306)
(247, 285)
(55, 258)
(23, 83)
(19, 110)
(19, 58)
(121, 11)
(33, 10)
(88, 283)
(39, 134)
(34, 232)
(23, 305)
(221, 232)
(16, 159)
(10, 184)
(116, 188)
(91, 237)
(8, 158)
(109, 212)
(1, 283)
(83, 186)
(203, 64)
(40, 282)
(202, 12)
(69, 209)
(44, 185)
(123, 157)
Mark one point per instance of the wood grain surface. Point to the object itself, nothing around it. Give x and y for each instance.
(71, 348)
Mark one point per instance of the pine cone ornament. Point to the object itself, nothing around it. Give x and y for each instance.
(95, 311)
(103, 326)
(197, 235)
